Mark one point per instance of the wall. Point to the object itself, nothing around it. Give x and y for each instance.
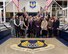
(25, 3)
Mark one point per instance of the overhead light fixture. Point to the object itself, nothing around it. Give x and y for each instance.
(64, 8)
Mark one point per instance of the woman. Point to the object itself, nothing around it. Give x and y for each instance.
(50, 27)
(44, 25)
(26, 20)
(21, 25)
(30, 27)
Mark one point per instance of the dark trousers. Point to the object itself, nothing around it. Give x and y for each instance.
(17, 30)
(55, 32)
(50, 31)
(37, 33)
(22, 32)
(44, 33)
(30, 32)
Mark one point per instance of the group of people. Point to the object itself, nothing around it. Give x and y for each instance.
(34, 26)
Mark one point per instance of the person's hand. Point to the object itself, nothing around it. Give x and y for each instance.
(26, 26)
(57, 28)
(49, 27)
(52, 28)
(37, 26)
(17, 25)
(42, 27)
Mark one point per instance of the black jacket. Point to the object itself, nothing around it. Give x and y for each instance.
(56, 24)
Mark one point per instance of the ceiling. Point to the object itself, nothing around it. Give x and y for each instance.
(56, 0)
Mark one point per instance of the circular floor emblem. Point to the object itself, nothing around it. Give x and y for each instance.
(32, 49)
(32, 44)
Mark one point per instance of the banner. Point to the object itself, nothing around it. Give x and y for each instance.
(48, 3)
(16, 2)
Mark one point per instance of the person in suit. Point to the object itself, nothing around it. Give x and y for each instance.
(34, 26)
(55, 26)
(30, 27)
(37, 26)
(17, 25)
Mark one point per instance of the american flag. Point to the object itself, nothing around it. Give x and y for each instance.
(48, 3)
(16, 2)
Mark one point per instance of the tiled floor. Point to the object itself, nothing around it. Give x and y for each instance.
(60, 48)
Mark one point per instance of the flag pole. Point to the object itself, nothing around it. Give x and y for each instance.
(57, 4)
(13, 10)
(18, 6)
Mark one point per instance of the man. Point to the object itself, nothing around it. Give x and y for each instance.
(37, 26)
(12, 26)
(17, 25)
(55, 26)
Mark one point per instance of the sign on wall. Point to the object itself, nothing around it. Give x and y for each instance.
(32, 4)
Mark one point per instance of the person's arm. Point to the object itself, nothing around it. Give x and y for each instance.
(10, 21)
(46, 24)
(42, 25)
(49, 25)
(15, 23)
(19, 22)
(24, 24)
(58, 24)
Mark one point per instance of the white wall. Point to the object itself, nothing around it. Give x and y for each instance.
(67, 12)
(25, 3)
(0, 15)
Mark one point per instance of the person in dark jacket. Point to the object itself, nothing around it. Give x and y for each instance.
(17, 26)
(55, 26)
(30, 27)
(37, 26)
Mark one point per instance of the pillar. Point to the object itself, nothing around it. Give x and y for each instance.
(67, 11)
(0, 15)
(4, 11)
